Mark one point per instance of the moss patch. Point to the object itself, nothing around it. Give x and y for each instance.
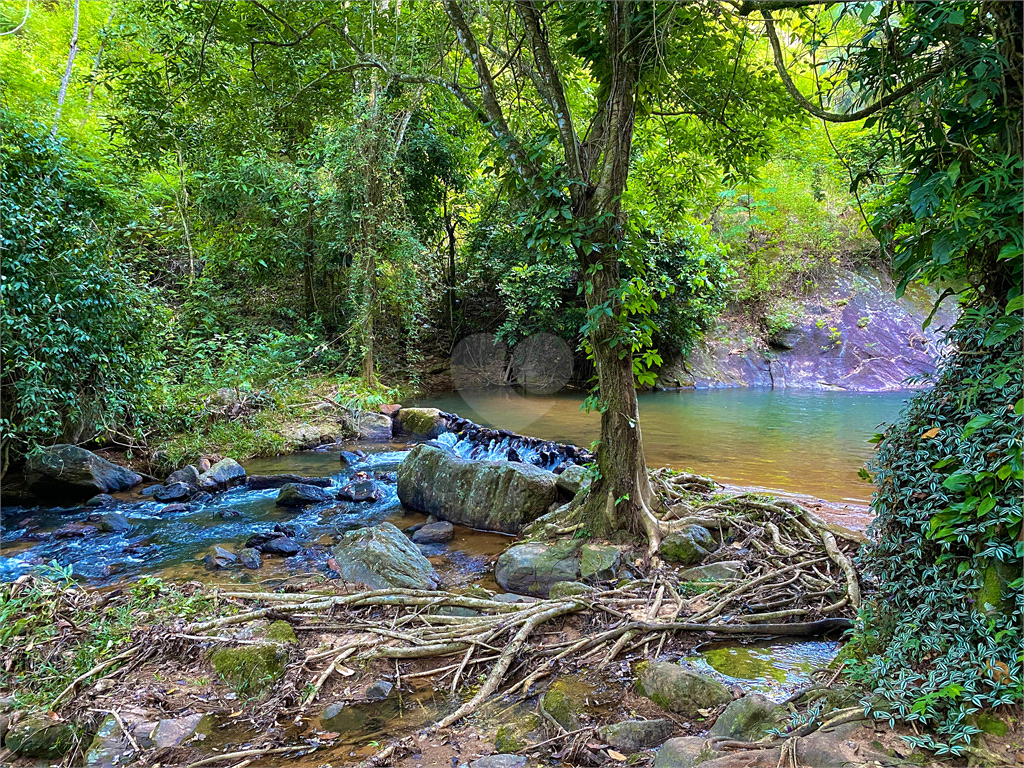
(251, 668)
(508, 741)
(282, 632)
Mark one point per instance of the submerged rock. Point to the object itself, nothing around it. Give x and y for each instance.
(262, 482)
(689, 546)
(434, 533)
(747, 719)
(685, 752)
(222, 475)
(299, 495)
(109, 522)
(532, 569)
(486, 495)
(70, 473)
(634, 735)
(75, 530)
(726, 570)
(40, 737)
(678, 689)
(173, 492)
(382, 557)
(420, 422)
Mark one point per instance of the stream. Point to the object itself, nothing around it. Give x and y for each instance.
(809, 444)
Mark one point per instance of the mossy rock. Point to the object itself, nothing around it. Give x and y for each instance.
(250, 668)
(747, 719)
(422, 422)
(678, 689)
(281, 632)
(40, 737)
(992, 725)
(565, 700)
(568, 589)
(689, 546)
(507, 741)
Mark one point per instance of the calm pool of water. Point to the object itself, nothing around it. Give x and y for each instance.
(806, 442)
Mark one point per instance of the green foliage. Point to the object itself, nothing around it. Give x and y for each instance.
(78, 329)
(49, 651)
(940, 639)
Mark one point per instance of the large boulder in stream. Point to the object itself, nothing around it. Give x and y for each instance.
(497, 496)
(299, 495)
(382, 557)
(70, 473)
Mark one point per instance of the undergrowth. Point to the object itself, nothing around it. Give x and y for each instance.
(52, 630)
(941, 640)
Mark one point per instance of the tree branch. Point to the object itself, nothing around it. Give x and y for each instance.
(550, 85)
(495, 121)
(833, 117)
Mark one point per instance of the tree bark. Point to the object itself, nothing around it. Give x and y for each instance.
(62, 94)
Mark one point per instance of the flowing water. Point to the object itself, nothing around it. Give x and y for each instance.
(799, 441)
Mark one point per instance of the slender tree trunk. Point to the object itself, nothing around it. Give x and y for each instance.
(449, 228)
(95, 71)
(62, 94)
(181, 198)
(370, 225)
(309, 259)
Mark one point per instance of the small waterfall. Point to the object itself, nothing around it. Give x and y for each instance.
(471, 441)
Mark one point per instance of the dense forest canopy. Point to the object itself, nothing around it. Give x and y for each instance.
(282, 198)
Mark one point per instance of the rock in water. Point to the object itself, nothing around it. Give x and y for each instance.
(634, 735)
(173, 492)
(100, 500)
(40, 737)
(220, 559)
(109, 522)
(70, 473)
(262, 482)
(686, 752)
(747, 719)
(358, 490)
(367, 425)
(379, 690)
(688, 546)
(274, 544)
(250, 558)
(299, 495)
(487, 495)
(420, 422)
(532, 569)
(434, 533)
(383, 557)
(222, 475)
(678, 689)
(188, 475)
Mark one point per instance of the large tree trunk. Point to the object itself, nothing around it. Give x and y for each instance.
(621, 496)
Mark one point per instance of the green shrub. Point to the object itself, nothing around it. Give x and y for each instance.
(940, 640)
(78, 328)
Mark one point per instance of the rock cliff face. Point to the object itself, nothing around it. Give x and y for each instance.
(849, 334)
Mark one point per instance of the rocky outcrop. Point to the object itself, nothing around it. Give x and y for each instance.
(678, 689)
(488, 495)
(532, 569)
(382, 557)
(70, 473)
(852, 334)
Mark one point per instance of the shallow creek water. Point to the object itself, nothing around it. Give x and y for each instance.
(806, 443)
